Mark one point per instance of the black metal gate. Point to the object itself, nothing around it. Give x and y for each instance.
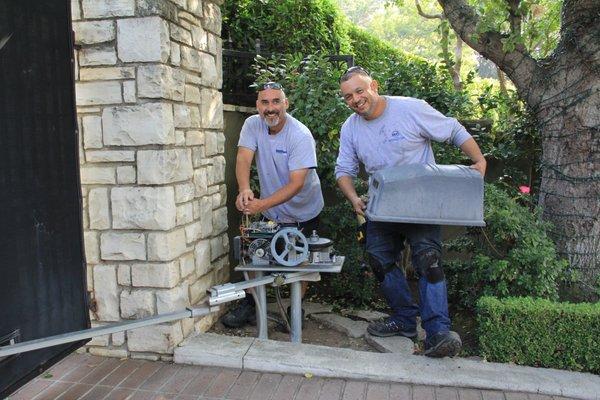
(42, 263)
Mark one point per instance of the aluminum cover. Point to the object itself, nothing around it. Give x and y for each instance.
(427, 194)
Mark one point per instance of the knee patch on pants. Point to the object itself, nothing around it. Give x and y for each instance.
(378, 269)
(429, 265)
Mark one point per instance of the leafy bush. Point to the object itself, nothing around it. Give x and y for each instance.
(540, 333)
(413, 77)
(513, 139)
(299, 26)
(511, 256)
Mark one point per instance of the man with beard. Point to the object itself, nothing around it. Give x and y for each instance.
(286, 161)
(387, 131)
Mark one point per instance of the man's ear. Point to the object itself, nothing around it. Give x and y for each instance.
(374, 86)
(287, 103)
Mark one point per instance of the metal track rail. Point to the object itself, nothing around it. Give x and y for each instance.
(70, 337)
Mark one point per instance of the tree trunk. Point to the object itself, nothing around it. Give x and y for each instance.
(569, 120)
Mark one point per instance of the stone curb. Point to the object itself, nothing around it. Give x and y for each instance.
(210, 349)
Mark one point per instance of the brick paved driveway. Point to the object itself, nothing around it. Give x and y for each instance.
(83, 376)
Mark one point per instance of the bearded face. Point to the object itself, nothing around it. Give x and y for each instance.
(272, 105)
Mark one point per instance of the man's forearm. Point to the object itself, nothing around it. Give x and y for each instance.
(282, 195)
(471, 149)
(346, 185)
(242, 174)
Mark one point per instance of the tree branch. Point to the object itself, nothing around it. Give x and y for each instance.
(457, 62)
(424, 15)
(517, 64)
(514, 17)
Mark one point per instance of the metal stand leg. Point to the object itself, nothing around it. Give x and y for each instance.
(296, 311)
(261, 309)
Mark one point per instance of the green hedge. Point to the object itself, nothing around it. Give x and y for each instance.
(371, 52)
(540, 333)
(298, 26)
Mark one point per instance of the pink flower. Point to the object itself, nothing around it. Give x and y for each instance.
(524, 189)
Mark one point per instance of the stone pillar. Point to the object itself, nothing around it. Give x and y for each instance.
(150, 113)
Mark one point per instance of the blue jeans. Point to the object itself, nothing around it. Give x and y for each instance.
(385, 245)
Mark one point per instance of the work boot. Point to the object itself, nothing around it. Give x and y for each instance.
(243, 313)
(389, 327)
(443, 344)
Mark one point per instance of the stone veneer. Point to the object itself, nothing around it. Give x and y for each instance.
(148, 74)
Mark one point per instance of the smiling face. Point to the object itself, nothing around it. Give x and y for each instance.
(271, 105)
(360, 94)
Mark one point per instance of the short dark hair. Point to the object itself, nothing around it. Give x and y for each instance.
(356, 70)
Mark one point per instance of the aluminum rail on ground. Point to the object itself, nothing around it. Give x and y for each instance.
(103, 330)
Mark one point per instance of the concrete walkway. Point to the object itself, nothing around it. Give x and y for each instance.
(292, 358)
(83, 376)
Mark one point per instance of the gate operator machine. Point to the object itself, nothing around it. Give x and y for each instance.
(288, 256)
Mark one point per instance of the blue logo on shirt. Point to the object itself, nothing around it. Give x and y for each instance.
(395, 136)
(280, 151)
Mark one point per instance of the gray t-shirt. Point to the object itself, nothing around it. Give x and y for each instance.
(401, 135)
(290, 149)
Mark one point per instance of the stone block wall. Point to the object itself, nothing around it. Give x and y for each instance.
(148, 74)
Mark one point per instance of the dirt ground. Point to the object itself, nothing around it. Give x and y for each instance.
(312, 333)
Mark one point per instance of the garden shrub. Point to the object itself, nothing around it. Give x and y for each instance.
(514, 139)
(402, 74)
(511, 256)
(285, 26)
(540, 333)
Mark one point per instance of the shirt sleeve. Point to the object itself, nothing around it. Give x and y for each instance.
(248, 135)
(347, 160)
(302, 153)
(436, 126)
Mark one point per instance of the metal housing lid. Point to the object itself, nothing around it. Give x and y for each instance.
(427, 194)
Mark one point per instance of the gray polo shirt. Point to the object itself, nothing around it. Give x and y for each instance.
(401, 135)
(290, 149)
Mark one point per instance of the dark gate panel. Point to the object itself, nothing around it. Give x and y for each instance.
(42, 263)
